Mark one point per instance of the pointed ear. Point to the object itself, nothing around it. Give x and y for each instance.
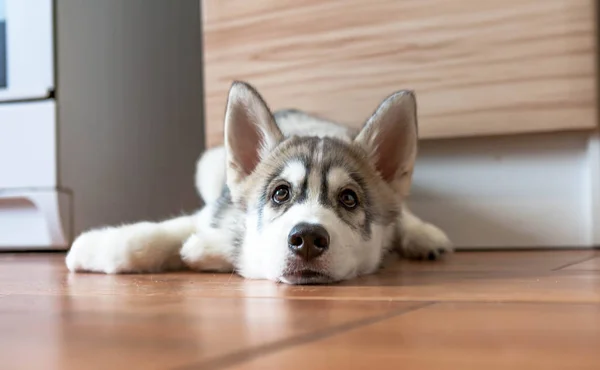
(250, 132)
(390, 138)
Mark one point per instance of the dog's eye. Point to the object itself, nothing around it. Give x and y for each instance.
(281, 194)
(348, 199)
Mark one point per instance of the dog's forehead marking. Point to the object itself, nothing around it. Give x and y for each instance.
(338, 177)
(294, 172)
(320, 151)
(316, 166)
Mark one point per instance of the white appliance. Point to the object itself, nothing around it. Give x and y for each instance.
(100, 115)
(32, 212)
(26, 43)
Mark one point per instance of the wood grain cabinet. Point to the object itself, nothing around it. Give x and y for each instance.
(478, 67)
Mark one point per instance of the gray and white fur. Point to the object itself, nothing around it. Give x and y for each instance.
(290, 197)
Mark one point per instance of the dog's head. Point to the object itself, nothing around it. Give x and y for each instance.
(317, 209)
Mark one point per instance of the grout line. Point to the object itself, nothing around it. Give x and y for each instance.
(242, 356)
(435, 300)
(574, 263)
(374, 299)
(527, 249)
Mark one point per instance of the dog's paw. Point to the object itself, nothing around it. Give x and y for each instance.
(139, 247)
(98, 251)
(206, 254)
(425, 241)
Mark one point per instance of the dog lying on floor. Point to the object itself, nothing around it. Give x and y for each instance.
(290, 197)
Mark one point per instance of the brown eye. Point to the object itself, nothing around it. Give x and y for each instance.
(281, 194)
(348, 199)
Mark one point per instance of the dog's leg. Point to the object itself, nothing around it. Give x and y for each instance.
(138, 247)
(215, 243)
(421, 240)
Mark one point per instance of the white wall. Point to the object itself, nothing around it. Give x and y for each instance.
(515, 191)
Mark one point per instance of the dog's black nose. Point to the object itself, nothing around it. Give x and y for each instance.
(308, 240)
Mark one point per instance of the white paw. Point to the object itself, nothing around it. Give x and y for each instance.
(140, 247)
(203, 253)
(425, 241)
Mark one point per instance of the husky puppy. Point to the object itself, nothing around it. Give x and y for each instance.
(290, 197)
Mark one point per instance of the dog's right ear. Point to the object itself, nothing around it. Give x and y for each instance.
(390, 138)
(250, 132)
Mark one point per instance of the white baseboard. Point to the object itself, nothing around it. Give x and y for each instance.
(593, 181)
(520, 191)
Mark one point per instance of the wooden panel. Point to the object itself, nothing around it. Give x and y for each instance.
(158, 331)
(457, 336)
(466, 276)
(548, 319)
(478, 67)
(592, 264)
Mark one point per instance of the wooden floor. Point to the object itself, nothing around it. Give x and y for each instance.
(486, 310)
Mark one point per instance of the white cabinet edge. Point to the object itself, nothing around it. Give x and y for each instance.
(31, 219)
(28, 145)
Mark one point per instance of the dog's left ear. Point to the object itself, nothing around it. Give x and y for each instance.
(250, 132)
(390, 138)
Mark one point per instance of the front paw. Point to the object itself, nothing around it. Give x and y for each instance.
(206, 254)
(425, 242)
(112, 250)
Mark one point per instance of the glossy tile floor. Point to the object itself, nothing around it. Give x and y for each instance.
(475, 310)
